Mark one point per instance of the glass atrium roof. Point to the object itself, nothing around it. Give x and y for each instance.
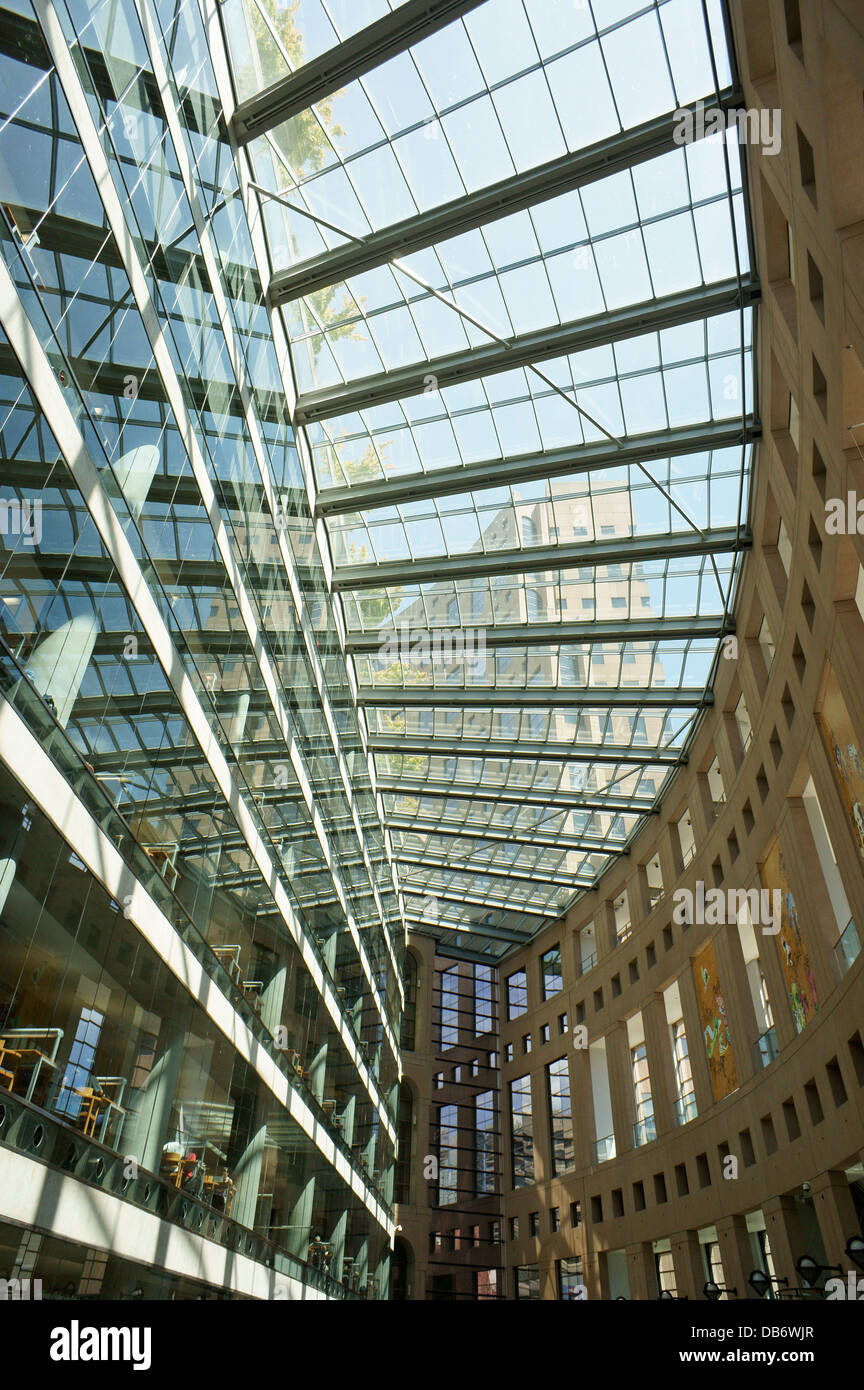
(520, 322)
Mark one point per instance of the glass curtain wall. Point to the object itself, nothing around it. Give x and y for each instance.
(169, 650)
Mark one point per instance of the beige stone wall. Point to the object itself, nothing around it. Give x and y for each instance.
(799, 1120)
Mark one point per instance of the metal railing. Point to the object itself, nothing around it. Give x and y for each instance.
(29, 1130)
(15, 687)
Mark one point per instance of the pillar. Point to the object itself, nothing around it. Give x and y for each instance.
(59, 663)
(702, 1088)
(337, 1240)
(778, 990)
(604, 930)
(247, 1179)
(690, 1276)
(818, 925)
(621, 1087)
(582, 1107)
(785, 1237)
(735, 988)
(836, 1214)
(640, 1271)
(736, 1253)
(299, 1230)
(316, 1072)
(660, 1065)
(147, 1121)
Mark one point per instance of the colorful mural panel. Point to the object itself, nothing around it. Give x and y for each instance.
(793, 950)
(847, 760)
(715, 1025)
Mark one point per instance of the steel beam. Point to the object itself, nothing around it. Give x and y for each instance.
(510, 796)
(111, 379)
(593, 698)
(526, 468)
(69, 236)
(473, 900)
(462, 830)
(621, 550)
(543, 345)
(501, 751)
(448, 952)
(501, 199)
(438, 864)
(564, 633)
(385, 38)
(478, 929)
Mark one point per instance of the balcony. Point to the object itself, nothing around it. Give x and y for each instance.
(604, 1148)
(588, 962)
(63, 1149)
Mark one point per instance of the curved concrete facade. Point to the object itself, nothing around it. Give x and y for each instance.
(772, 1136)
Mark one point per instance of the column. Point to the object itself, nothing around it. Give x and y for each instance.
(637, 899)
(660, 1065)
(548, 1281)
(134, 472)
(582, 1107)
(736, 1253)
(337, 1240)
(58, 665)
(247, 1179)
(747, 676)
(690, 1276)
(702, 1087)
(147, 1121)
(817, 922)
(848, 659)
(348, 1122)
(735, 988)
(238, 721)
(360, 1268)
(784, 1236)
(778, 990)
(640, 1271)
(701, 810)
(272, 999)
(299, 1231)
(835, 1212)
(316, 1072)
(669, 871)
(543, 1169)
(727, 743)
(12, 839)
(591, 1273)
(621, 1087)
(837, 823)
(604, 930)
